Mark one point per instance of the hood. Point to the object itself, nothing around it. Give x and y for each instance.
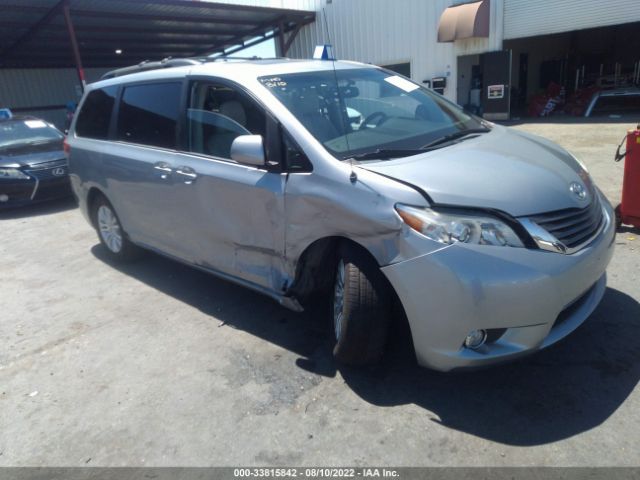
(515, 172)
(31, 155)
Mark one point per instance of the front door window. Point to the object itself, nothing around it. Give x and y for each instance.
(218, 114)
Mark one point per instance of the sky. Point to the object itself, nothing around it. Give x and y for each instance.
(266, 49)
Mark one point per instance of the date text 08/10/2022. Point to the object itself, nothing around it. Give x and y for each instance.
(315, 472)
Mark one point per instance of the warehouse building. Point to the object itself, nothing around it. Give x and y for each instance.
(498, 57)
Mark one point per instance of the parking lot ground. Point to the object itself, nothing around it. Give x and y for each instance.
(158, 364)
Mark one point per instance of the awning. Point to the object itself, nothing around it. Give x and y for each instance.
(464, 21)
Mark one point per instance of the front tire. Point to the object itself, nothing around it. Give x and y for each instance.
(112, 237)
(361, 308)
(618, 215)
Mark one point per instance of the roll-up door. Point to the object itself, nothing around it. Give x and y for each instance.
(528, 18)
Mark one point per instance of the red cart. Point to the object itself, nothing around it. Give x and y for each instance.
(628, 212)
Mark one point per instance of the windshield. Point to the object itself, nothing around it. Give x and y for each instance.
(355, 111)
(20, 132)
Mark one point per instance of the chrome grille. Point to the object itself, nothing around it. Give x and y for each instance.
(44, 171)
(573, 226)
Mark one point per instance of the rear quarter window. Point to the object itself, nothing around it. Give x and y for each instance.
(95, 116)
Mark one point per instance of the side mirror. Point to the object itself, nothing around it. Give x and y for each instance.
(248, 150)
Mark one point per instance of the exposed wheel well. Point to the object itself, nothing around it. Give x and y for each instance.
(315, 276)
(92, 196)
(315, 272)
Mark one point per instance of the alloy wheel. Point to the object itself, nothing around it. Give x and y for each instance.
(109, 228)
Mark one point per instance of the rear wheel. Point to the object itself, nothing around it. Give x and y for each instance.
(111, 234)
(361, 308)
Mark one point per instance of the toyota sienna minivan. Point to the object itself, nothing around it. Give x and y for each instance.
(297, 177)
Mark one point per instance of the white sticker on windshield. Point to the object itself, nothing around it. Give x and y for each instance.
(35, 124)
(401, 83)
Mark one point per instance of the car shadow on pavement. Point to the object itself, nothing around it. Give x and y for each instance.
(628, 229)
(37, 209)
(233, 306)
(560, 392)
(554, 394)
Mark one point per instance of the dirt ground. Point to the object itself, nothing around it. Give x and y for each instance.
(158, 364)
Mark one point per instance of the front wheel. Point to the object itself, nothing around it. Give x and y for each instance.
(111, 234)
(618, 215)
(361, 308)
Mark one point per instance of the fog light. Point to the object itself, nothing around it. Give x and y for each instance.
(4, 198)
(475, 339)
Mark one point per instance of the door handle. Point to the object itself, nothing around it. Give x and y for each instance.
(188, 173)
(163, 168)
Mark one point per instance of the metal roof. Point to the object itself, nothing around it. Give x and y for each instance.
(33, 33)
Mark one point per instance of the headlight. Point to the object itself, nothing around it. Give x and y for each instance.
(12, 173)
(448, 227)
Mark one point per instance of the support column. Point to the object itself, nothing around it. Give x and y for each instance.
(292, 37)
(281, 45)
(74, 44)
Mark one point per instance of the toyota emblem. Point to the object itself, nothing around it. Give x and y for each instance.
(578, 190)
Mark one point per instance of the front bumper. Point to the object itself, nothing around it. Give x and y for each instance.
(25, 192)
(529, 299)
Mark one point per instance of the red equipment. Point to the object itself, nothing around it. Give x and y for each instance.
(628, 212)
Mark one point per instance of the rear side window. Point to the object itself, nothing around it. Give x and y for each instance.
(148, 114)
(95, 116)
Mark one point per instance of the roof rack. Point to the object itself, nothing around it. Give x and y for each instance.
(148, 65)
(170, 62)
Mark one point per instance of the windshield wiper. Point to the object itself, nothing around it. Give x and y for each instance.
(386, 153)
(12, 144)
(40, 142)
(455, 136)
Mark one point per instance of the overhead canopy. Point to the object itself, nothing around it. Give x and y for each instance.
(34, 33)
(464, 21)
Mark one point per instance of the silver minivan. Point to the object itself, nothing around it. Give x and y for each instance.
(303, 177)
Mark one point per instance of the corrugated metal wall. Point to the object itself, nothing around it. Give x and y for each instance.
(385, 32)
(34, 87)
(292, 4)
(526, 18)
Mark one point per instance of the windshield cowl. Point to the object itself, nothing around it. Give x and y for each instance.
(447, 140)
(23, 148)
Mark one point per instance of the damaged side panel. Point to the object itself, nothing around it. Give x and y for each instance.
(233, 220)
(331, 206)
